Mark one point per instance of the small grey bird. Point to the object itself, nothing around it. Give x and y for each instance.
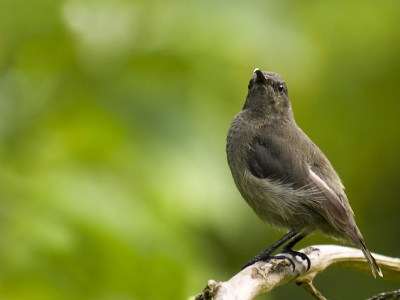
(283, 175)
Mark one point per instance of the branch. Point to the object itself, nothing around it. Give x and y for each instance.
(263, 277)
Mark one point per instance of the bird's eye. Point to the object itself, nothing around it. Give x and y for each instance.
(250, 85)
(280, 88)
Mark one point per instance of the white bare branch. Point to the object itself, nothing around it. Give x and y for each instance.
(263, 277)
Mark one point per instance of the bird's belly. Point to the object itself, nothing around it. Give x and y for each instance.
(280, 205)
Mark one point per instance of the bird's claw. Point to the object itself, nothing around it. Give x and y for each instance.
(285, 257)
(296, 253)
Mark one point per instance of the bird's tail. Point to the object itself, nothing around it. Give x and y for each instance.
(359, 241)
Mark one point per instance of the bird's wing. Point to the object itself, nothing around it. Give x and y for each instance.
(269, 160)
(330, 201)
(264, 163)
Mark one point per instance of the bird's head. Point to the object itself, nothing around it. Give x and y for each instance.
(268, 95)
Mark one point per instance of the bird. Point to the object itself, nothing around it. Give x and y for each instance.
(283, 176)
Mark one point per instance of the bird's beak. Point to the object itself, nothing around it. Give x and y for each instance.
(260, 75)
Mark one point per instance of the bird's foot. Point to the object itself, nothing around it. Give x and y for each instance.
(266, 258)
(294, 254)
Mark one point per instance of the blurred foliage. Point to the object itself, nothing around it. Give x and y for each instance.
(113, 118)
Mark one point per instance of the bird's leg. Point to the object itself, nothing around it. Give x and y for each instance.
(288, 249)
(293, 242)
(265, 255)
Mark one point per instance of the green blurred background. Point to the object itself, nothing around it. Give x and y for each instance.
(113, 118)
